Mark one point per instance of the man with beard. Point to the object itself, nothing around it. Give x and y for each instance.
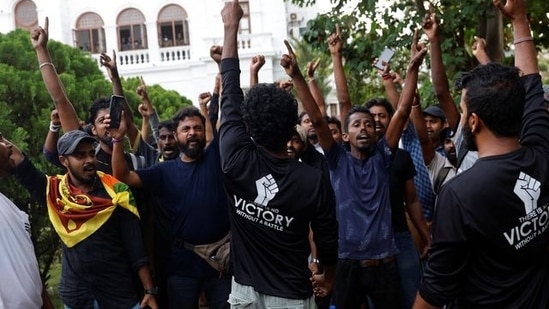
(404, 200)
(299, 148)
(94, 215)
(490, 234)
(305, 122)
(360, 177)
(190, 192)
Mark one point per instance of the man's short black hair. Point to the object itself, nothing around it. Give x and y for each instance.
(353, 110)
(383, 103)
(185, 112)
(97, 105)
(335, 121)
(169, 124)
(495, 93)
(270, 114)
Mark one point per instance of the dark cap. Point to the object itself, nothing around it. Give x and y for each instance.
(445, 133)
(68, 142)
(435, 111)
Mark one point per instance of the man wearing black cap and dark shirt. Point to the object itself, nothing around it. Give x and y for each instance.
(94, 215)
(273, 199)
(490, 232)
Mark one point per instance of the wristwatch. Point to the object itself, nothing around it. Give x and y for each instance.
(152, 291)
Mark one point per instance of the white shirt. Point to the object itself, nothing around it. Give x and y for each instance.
(20, 286)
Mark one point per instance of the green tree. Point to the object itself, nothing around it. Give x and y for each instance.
(25, 107)
(373, 25)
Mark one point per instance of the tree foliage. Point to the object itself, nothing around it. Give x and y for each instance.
(373, 25)
(25, 108)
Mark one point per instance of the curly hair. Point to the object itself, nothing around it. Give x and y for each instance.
(270, 114)
(495, 93)
(97, 105)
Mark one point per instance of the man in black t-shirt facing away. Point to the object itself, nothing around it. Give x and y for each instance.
(490, 232)
(273, 199)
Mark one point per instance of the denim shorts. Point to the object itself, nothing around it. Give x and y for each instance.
(243, 296)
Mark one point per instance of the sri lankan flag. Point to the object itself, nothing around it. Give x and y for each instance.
(76, 215)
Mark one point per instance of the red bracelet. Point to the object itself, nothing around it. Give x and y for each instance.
(386, 76)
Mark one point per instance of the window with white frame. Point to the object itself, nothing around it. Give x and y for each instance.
(132, 32)
(173, 26)
(89, 34)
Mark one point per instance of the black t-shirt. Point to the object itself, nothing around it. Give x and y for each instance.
(490, 233)
(402, 169)
(272, 203)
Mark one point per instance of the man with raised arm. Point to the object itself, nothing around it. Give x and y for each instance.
(360, 178)
(97, 221)
(273, 199)
(490, 234)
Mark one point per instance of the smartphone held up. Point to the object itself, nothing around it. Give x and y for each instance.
(385, 57)
(115, 110)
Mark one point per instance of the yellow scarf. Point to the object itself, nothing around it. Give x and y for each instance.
(76, 215)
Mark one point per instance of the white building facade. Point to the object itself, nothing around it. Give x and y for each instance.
(165, 41)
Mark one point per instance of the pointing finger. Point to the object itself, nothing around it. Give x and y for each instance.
(289, 47)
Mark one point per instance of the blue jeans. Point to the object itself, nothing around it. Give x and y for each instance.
(183, 292)
(409, 268)
(354, 283)
(96, 306)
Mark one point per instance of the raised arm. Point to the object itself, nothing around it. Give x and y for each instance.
(390, 79)
(112, 70)
(203, 100)
(313, 86)
(427, 147)
(525, 51)
(148, 113)
(289, 63)
(67, 114)
(119, 166)
(394, 131)
(438, 73)
(479, 50)
(256, 64)
(342, 91)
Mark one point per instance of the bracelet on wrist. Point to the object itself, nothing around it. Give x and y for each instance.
(416, 106)
(315, 261)
(43, 64)
(54, 127)
(522, 40)
(117, 140)
(386, 76)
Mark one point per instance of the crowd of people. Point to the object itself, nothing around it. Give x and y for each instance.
(385, 206)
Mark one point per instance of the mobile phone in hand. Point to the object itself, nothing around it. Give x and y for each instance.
(385, 56)
(115, 110)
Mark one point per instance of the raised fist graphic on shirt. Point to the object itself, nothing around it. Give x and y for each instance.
(528, 190)
(266, 189)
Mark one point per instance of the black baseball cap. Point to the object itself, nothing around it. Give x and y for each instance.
(68, 142)
(435, 111)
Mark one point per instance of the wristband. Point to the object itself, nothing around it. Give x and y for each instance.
(54, 127)
(116, 141)
(45, 64)
(386, 76)
(522, 40)
(416, 106)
